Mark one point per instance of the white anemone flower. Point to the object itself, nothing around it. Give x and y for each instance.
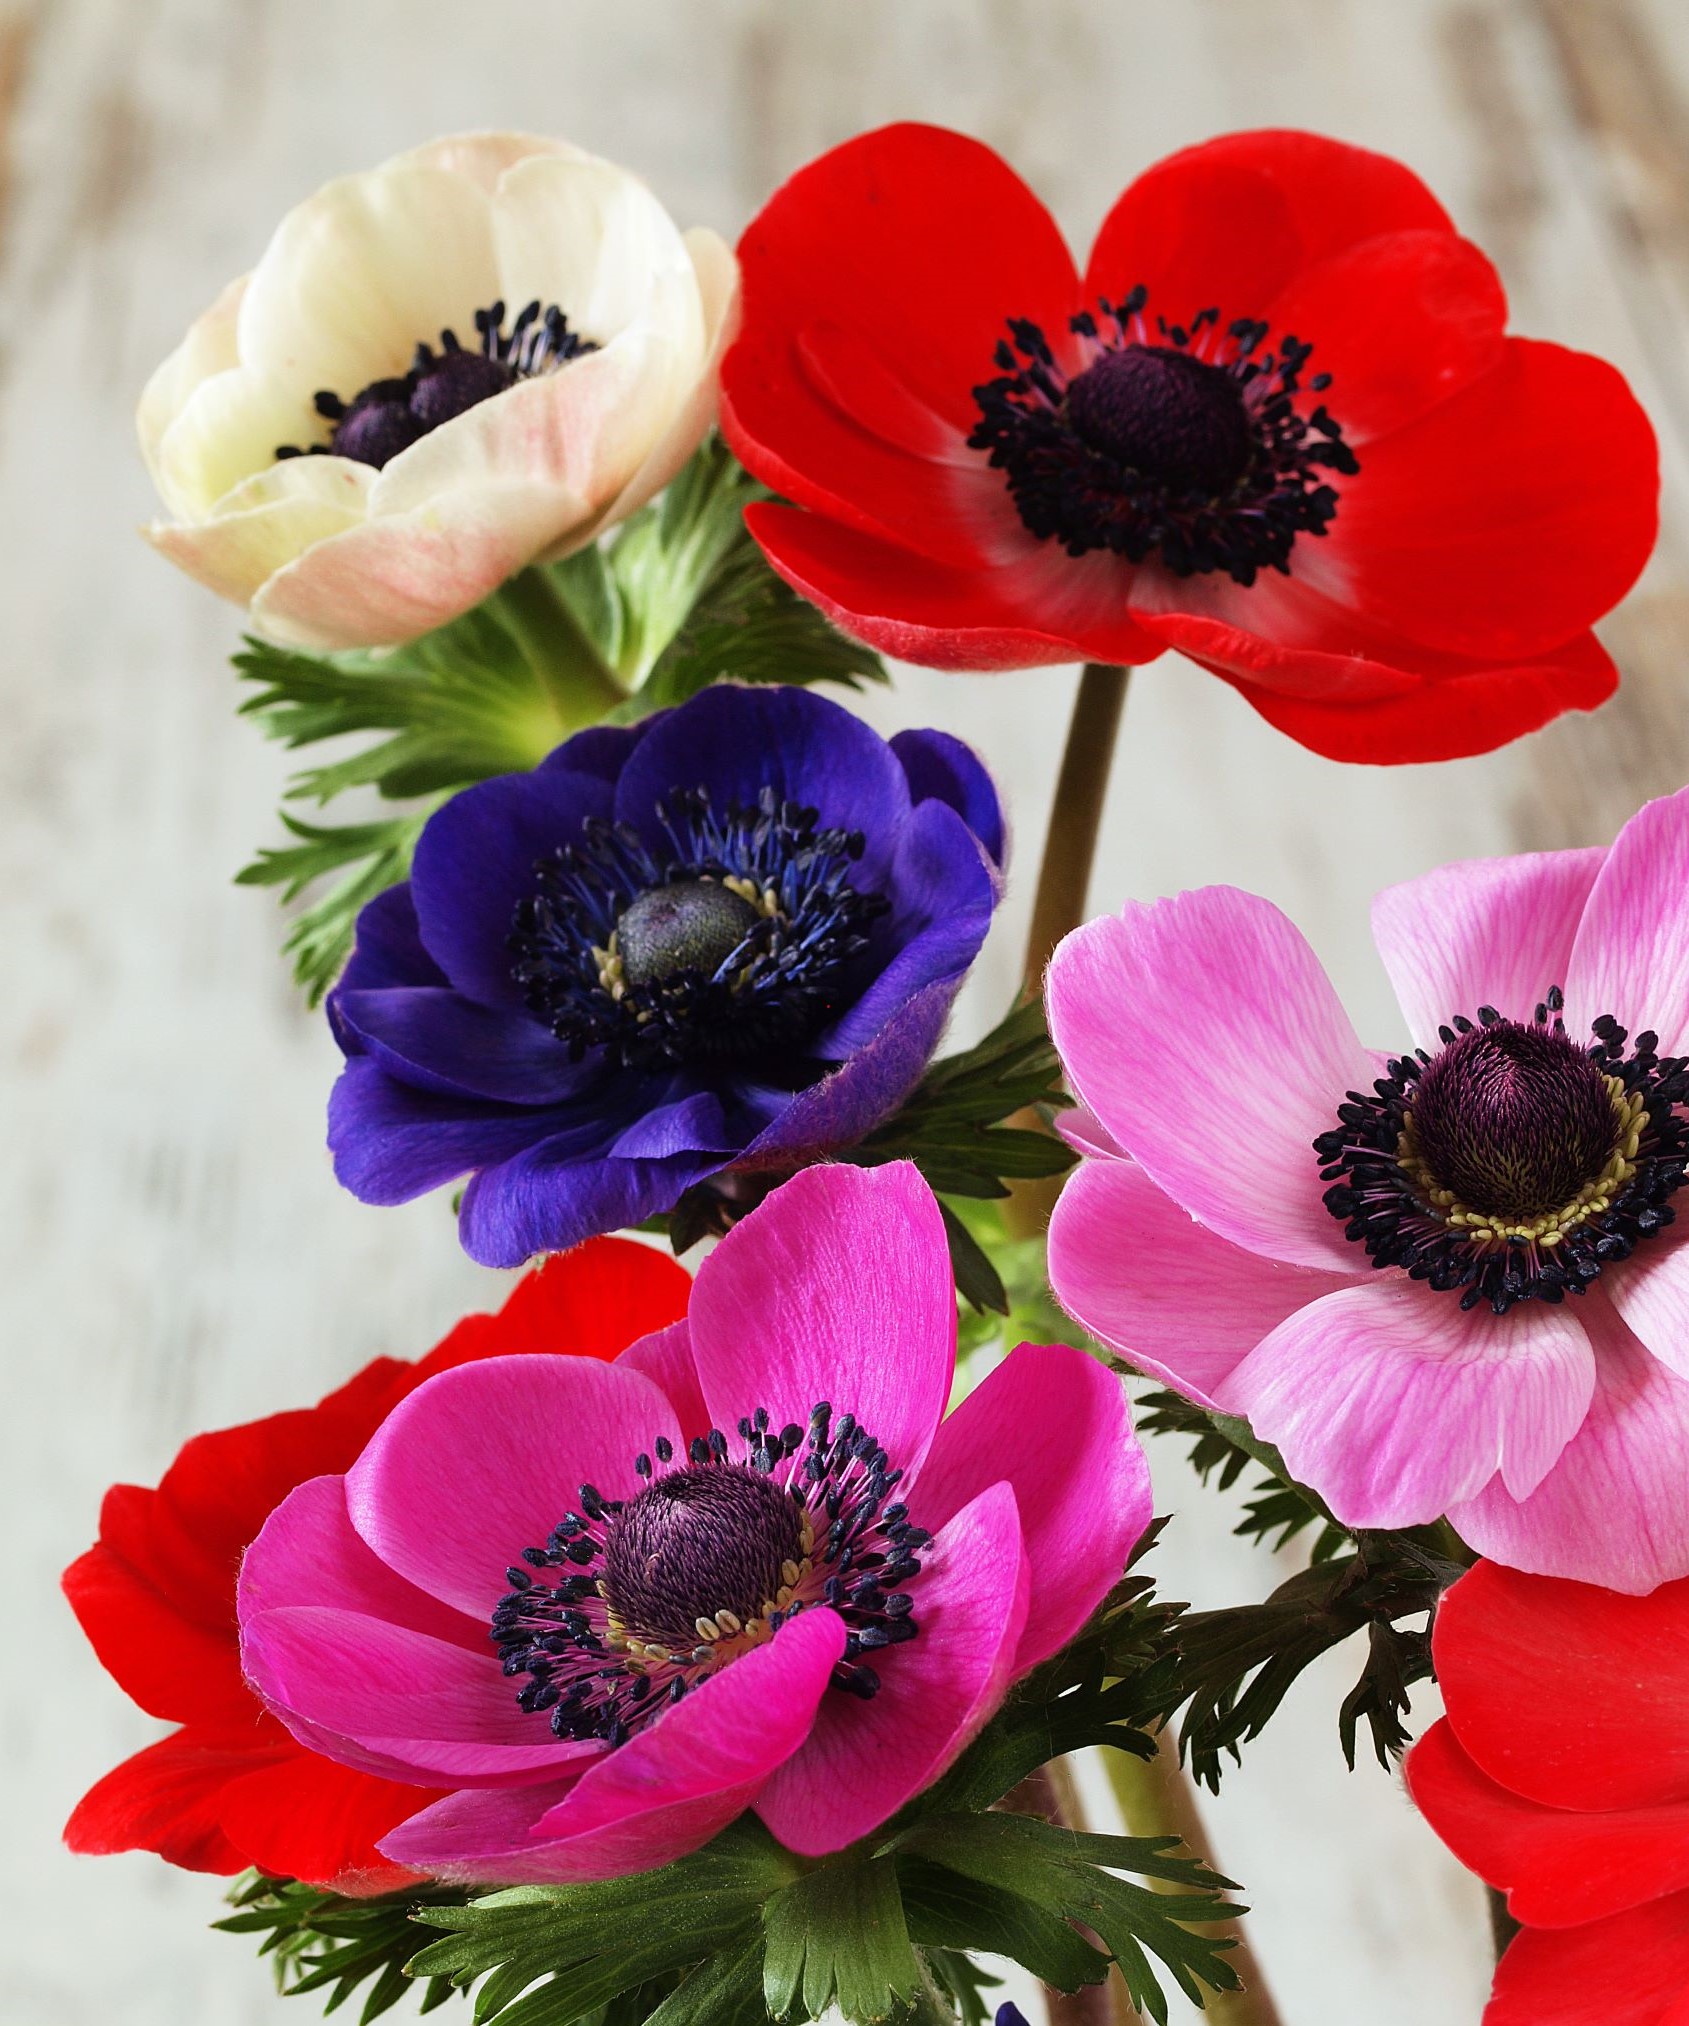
(476, 357)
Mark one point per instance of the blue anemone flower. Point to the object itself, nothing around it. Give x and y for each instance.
(726, 938)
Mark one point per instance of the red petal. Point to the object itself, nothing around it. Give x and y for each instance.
(1505, 521)
(172, 1667)
(305, 1817)
(1447, 717)
(1567, 1694)
(1227, 223)
(1559, 1868)
(592, 1302)
(920, 241)
(1046, 607)
(167, 1798)
(1400, 324)
(1631, 1970)
(877, 284)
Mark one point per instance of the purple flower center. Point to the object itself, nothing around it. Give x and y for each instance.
(388, 416)
(1515, 1164)
(741, 939)
(1184, 443)
(1514, 1120)
(706, 1563)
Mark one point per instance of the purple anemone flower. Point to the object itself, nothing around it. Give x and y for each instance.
(750, 1564)
(725, 938)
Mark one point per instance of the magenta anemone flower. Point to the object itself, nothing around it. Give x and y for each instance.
(1446, 1281)
(749, 1564)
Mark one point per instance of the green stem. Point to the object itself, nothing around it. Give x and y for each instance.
(1156, 1800)
(579, 681)
(1064, 879)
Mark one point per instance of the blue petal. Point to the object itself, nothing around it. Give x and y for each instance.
(392, 1143)
(386, 949)
(690, 1125)
(736, 741)
(846, 1105)
(943, 892)
(601, 750)
(475, 860)
(550, 1198)
(941, 767)
(436, 1039)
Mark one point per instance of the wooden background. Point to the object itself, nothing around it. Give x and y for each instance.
(177, 1255)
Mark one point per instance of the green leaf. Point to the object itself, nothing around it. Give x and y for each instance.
(591, 1943)
(1222, 1447)
(724, 1990)
(1074, 1877)
(323, 1944)
(947, 1911)
(702, 605)
(370, 856)
(837, 1936)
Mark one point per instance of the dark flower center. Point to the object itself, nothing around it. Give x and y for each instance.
(694, 925)
(1184, 443)
(742, 938)
(1513, 1120)
(1515, 1163)
(388, 416)
(706, 1563)
(1174, 418)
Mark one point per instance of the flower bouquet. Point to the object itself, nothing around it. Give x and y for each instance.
(731, 1641)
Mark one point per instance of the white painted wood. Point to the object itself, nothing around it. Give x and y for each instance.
(177, 1255)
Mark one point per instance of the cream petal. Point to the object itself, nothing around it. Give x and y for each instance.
(228, 432)
(484, 157)
(591, 238)
(584, 429)
(263, 525)
(400, 575)
(359, 274)
(208, 348)
(718, 287)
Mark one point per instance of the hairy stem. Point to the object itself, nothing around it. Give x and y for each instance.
(1156, 1799)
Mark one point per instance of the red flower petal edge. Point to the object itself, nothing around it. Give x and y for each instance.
(1561, 1776)
(156, 1596)
(1387, 568)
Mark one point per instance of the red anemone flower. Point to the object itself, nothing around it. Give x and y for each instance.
(1561, 1776)
(156, 1596)
(1276, 424)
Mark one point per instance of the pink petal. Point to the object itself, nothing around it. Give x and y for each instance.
(1631, 957)
(1612, 1510)
(484, 1460)
(381, 1697)
(1085, 1133)
(1394, 1404)
(400, 575)
(308, 1553)
(1651, 1291)
(779, 1319)
(1206, 1037)
(1490, 932)
(668, 1790)
(665, 1357)
(1150, 1282)
(863, 1760)
(1056, 1426)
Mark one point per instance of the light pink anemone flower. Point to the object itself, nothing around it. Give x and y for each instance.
(1391, 1310)
(560, 1587)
